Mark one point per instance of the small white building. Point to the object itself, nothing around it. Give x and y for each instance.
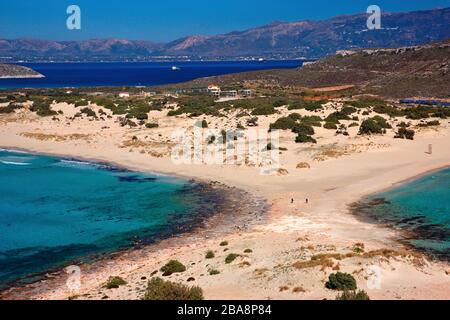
(124, 95)
(231, 93)
(214, 90)
(246, 93)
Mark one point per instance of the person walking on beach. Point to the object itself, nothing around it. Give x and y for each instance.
(306, 200)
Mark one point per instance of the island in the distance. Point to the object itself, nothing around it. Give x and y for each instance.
(9, 71)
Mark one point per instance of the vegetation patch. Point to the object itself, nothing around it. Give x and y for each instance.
(341, 281)
(159, 289)
(231, 257)
(173, 266)
(115, 282)
(353, 295)
(375, 125)
(214, 272)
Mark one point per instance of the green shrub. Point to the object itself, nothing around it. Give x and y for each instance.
(285, 123)
(353, 295)
(280, 102)
(151, 125)
(303, 129)
(115, 282)
(214, 272)
(159, 289)
(231, 257)
(375, 125)
(263, 110)
(341, 281)
(304, 138)
(10, 108)
(248, 251)
(209, 254)
(367, 103)
(204, 124)
(89, 112)
(330, 126)
(314, 121)
(173, 266)
(404, 133)
(429, 124)
(42, 108)
(223, 243)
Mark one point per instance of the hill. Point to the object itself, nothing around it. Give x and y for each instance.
(15, 71)
(401, 72)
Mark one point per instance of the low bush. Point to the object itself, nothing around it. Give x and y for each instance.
(231, 257)
(303, 129)
(330, 126)
(304, 138)
(341, 281)
(173, 266)
(209, 254)
(214, 272)
(429, 124)
(115, 282)
(159, 289)
(353, 295)
(223, 243)
(404, 133)
(375, 125)
(89, 112)
(10, 108)
(151, 125)
(263, 110)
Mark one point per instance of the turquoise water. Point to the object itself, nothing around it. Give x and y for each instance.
(421, 207)
(54, 211)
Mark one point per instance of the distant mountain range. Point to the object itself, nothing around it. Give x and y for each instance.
(307, 39)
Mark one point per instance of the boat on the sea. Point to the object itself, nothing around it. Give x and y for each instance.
(175, 68)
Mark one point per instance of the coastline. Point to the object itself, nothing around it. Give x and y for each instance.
(208, 224)
(54, 277)
(23, 77)
(290, 231)
(359, 207)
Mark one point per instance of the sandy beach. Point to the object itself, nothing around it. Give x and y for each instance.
(332, 175)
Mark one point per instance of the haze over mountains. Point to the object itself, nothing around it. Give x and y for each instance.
(307, 39)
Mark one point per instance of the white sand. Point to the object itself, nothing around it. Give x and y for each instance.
(294, 232)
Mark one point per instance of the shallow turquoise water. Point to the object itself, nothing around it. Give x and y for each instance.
(53, 211)
(421, 207)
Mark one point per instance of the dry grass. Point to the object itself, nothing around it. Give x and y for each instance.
(55, 137)
(303, 165)
(325, 260)
(261, 272)
(298, 290)
(283, 288)
(335, 151)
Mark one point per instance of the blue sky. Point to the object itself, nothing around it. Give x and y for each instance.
(165, 20)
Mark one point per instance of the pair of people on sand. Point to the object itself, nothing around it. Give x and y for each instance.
(306, 200)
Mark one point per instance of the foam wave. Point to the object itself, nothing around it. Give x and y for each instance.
(15, 163)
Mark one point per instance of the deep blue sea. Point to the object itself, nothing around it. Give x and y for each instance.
(421, 207)
(59, 75)
(54, 211)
